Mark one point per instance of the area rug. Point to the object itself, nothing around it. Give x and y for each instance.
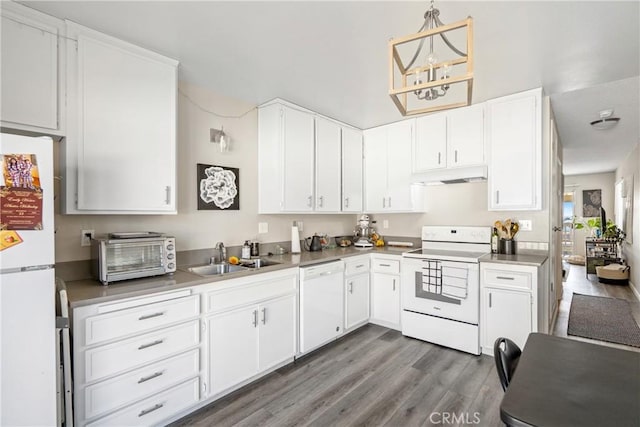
(604, 319)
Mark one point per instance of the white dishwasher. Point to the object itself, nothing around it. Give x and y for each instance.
(321, 304)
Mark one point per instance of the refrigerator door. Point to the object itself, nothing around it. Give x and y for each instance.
(37, 246)
(27, 346)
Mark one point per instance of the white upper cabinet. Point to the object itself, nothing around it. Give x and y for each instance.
(299, 161)
(328, 166)
(120, 152)
(450, 139)
(514, 128)
(29, 70)
(387, 175)
(465, 136)
(297, 150)
(351, 170)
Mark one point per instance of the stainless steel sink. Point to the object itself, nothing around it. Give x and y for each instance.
(259, 263)
(216, 269)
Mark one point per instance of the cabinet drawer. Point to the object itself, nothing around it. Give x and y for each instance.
(507, 279)
(391, 266)
(251, 294)
(154, 410)
(129, 321)
(127, 354)
(355, 267)
(108, 395)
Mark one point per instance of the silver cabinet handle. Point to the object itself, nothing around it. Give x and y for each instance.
(385, 265)
(350, 287)
(384, 202)
(151, 344)
(264, 315)
(360, 266)
(320, 201)
(497, 196)
(489, 299)
(455, 156)
(150, 377)
(346, 202)
(309, 200)
(505, 278)
(151, 316)
(255, 318)
(167, 190)
(389, 201)
(439, 156)
(153, 408)
(394, 284)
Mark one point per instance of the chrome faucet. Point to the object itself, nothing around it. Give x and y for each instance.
(222, 253)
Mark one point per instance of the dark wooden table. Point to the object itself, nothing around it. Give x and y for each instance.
(564, 382)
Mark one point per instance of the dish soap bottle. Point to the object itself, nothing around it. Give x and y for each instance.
(246, 250)
(494, 241)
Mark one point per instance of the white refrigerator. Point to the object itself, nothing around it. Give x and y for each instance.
(27, 283)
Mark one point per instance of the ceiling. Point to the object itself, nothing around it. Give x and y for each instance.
(331, 56)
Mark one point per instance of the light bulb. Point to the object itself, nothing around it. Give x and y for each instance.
(432, 58)
(446, 70)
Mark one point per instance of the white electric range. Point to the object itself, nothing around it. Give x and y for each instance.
(441, 286)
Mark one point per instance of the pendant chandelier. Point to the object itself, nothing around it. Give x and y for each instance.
(418, 81)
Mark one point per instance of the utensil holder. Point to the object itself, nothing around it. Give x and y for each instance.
(507, 246)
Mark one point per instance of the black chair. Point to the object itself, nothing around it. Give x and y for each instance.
(506, 359)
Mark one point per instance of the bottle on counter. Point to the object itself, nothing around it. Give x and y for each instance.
(295, 239)
(494, 241)
(246, 250)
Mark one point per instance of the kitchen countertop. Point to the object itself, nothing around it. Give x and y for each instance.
(90, 291)
(534, 258)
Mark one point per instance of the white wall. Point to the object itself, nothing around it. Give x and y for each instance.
(630, 169)
(462, 204)
(195, 229)
(578, 183)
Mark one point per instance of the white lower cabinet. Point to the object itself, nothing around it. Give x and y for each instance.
(356, 293)
(251, 328)
(131, 368)
(513, 303)
(385, 291)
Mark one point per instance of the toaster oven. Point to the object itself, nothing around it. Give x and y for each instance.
(122, 256)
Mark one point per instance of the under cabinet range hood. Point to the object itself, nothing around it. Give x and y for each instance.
(452, 175)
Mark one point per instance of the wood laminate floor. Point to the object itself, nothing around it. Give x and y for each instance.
(377, 377)
(371, 377)
(578, 283)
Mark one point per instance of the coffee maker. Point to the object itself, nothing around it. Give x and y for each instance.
(362, 233)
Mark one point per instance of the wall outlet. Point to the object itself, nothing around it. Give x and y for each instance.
(300, 226)
(85, 237)
(263, 227)
(525, 224)
(385, 223)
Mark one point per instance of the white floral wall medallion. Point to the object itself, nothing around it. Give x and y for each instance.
(218, 188)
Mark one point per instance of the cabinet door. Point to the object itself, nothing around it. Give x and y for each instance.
(514, 128)
(430, 146)
(29, 70)
(356, 300)
(385, 299)
(298, 160)
(233, 347)
(328, 166)
(375, 169)
(277, 332)
(351, 170)
(125, 127)
(399, 143)
(465, 136)
(506, 314)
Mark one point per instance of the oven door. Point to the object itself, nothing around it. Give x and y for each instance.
(447, 289)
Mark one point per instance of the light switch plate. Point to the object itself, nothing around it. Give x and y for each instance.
(300, 226)
(385, 223)
(525, 224)
(263, 227)
(85, 237)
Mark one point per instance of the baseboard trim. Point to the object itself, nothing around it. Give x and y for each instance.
(634, 290)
